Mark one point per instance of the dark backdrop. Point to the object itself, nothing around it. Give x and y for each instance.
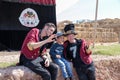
(12, 33)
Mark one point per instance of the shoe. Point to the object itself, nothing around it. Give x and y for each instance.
(71, 78)
(66, 78)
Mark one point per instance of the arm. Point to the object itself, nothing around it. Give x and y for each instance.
(34, 45)
(47, 62)
(87, 48)
(52, 51)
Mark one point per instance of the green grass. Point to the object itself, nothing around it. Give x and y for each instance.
(6, 64)
(113, 49)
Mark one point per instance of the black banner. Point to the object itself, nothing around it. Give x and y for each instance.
(11, 11)
(12, 32)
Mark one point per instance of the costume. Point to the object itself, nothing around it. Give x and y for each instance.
(82, 61)
(57, 49)
(77, 51)
(33, 60)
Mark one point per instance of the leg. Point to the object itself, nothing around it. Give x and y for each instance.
(53, 69)
(36, 67)
(91, 73)
(81, 74)
(62, 66)
(68, 67)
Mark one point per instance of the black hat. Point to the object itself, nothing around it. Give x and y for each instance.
(69, 29)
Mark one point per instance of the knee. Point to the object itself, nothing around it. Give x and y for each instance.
(91, 70)
(46, 76)
(62, 65)
(54, 68)
(91, 73)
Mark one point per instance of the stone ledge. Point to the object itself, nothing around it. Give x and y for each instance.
(22, 73)
(18, 73)
(105, 70)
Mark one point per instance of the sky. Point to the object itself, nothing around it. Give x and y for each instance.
(85, 9)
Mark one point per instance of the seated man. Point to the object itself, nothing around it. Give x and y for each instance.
(33, 57)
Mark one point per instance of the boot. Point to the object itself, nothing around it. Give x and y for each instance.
(71, 78)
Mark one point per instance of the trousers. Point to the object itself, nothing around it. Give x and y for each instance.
(65, 67)
(86, 73)
(37, 66)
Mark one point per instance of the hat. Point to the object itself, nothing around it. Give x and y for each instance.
(58, 34)
(69, 29)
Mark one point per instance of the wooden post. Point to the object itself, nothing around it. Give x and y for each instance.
(119, 37)
(95, 26)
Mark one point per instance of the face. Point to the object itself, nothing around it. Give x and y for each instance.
(60, 39)
(49, 31)
(71, 37)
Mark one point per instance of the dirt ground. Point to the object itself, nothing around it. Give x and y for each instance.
(14, 56)
(107, 67)
(9, 56)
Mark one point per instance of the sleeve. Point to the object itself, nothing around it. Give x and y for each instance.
(32, 35)
(52, 51)
(84, 45)
(65, 51)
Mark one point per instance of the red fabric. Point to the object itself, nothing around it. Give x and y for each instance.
(65, 50)
(32, 36)
(44, 2)
(84, 56)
